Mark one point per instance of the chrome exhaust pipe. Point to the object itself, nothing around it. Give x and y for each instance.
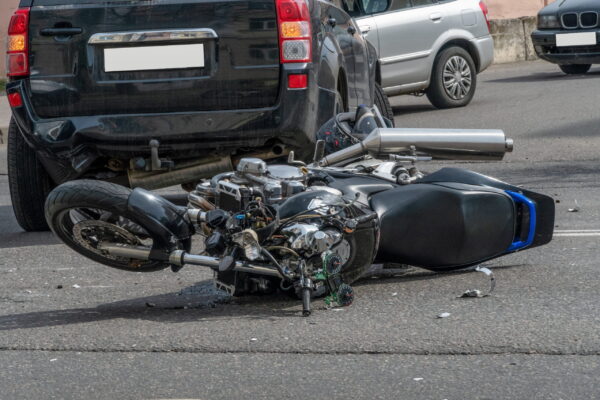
(180, 258)
(444, 144)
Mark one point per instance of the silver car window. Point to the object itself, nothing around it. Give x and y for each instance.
(399, 5)
(375, 6)
(420, 3)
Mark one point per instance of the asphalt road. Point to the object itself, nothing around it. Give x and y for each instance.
(74, 329)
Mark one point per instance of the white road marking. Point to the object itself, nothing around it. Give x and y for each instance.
(577, 233)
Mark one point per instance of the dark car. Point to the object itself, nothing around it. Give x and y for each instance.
(164, 92)
(567, 35)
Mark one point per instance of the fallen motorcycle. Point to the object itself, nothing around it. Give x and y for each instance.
(315, 229)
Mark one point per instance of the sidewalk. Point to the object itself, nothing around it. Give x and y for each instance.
(4, 118)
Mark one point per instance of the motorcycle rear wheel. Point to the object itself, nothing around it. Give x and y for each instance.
(86, 213)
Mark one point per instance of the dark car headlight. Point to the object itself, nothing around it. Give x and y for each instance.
(548, 22)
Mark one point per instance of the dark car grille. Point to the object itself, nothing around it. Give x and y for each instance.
(584, 20)
(570, 20)
(588, 20)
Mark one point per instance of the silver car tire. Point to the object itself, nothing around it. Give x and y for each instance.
(453, 79)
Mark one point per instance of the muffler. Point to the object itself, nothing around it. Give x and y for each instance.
(444, 144)
(153, 180)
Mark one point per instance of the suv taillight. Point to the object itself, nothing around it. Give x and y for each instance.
(293, 23)
(485, 11)
(17, 51)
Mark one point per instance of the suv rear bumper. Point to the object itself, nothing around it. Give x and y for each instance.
(69, 146)
(544, 43)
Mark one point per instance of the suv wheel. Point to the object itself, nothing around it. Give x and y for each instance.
(575, 69)
(453, 80)
(28, 181)
(383, 103)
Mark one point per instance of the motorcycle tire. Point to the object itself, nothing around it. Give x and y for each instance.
(95, 198)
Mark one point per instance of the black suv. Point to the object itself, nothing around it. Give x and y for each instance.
(166, 92)
(567, 35)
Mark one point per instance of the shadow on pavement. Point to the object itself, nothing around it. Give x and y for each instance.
(12, 236)
(545, 77)
(588, 128)
(195, 302)
(200, 301)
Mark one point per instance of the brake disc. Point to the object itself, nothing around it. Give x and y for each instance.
(91, 233)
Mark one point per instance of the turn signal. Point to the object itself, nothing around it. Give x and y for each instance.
(16, 43)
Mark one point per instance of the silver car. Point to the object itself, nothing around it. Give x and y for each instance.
(433, 46)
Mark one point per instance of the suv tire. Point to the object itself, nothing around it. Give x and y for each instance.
(28, 181)
(453, 79)
(575, 69)
(383, 103)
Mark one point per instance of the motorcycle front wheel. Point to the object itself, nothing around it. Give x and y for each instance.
(85, 214)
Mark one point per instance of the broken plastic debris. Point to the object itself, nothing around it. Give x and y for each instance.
(476, 293)
(54, 359)
(443, 315)
(417, 379)
(253, 339)
(472, 293)
(76, 286)
(395, 294)
(576, 208)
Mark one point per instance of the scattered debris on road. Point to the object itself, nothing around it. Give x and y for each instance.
(472, 293)
(444, 315)
(476, 293)
(76, 286)
(576, 208)
(417, 379)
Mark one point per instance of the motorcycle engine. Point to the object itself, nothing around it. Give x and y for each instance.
(253, 179)
(270, 214)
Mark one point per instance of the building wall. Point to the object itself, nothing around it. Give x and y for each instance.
(504, 9)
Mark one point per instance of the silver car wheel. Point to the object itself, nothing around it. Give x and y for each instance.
(457, 77)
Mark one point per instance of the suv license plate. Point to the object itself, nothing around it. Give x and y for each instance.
(149, 58)
(576, 39)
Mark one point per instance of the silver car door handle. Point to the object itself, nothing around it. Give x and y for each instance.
(436, 17)
(364, 28)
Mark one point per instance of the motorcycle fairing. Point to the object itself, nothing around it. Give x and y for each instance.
(544, 205)
(444, 225)
(165, 222)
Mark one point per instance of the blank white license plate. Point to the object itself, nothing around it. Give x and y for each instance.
(154, 58)
(576, 39)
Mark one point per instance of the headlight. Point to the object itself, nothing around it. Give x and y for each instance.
(548, 22)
